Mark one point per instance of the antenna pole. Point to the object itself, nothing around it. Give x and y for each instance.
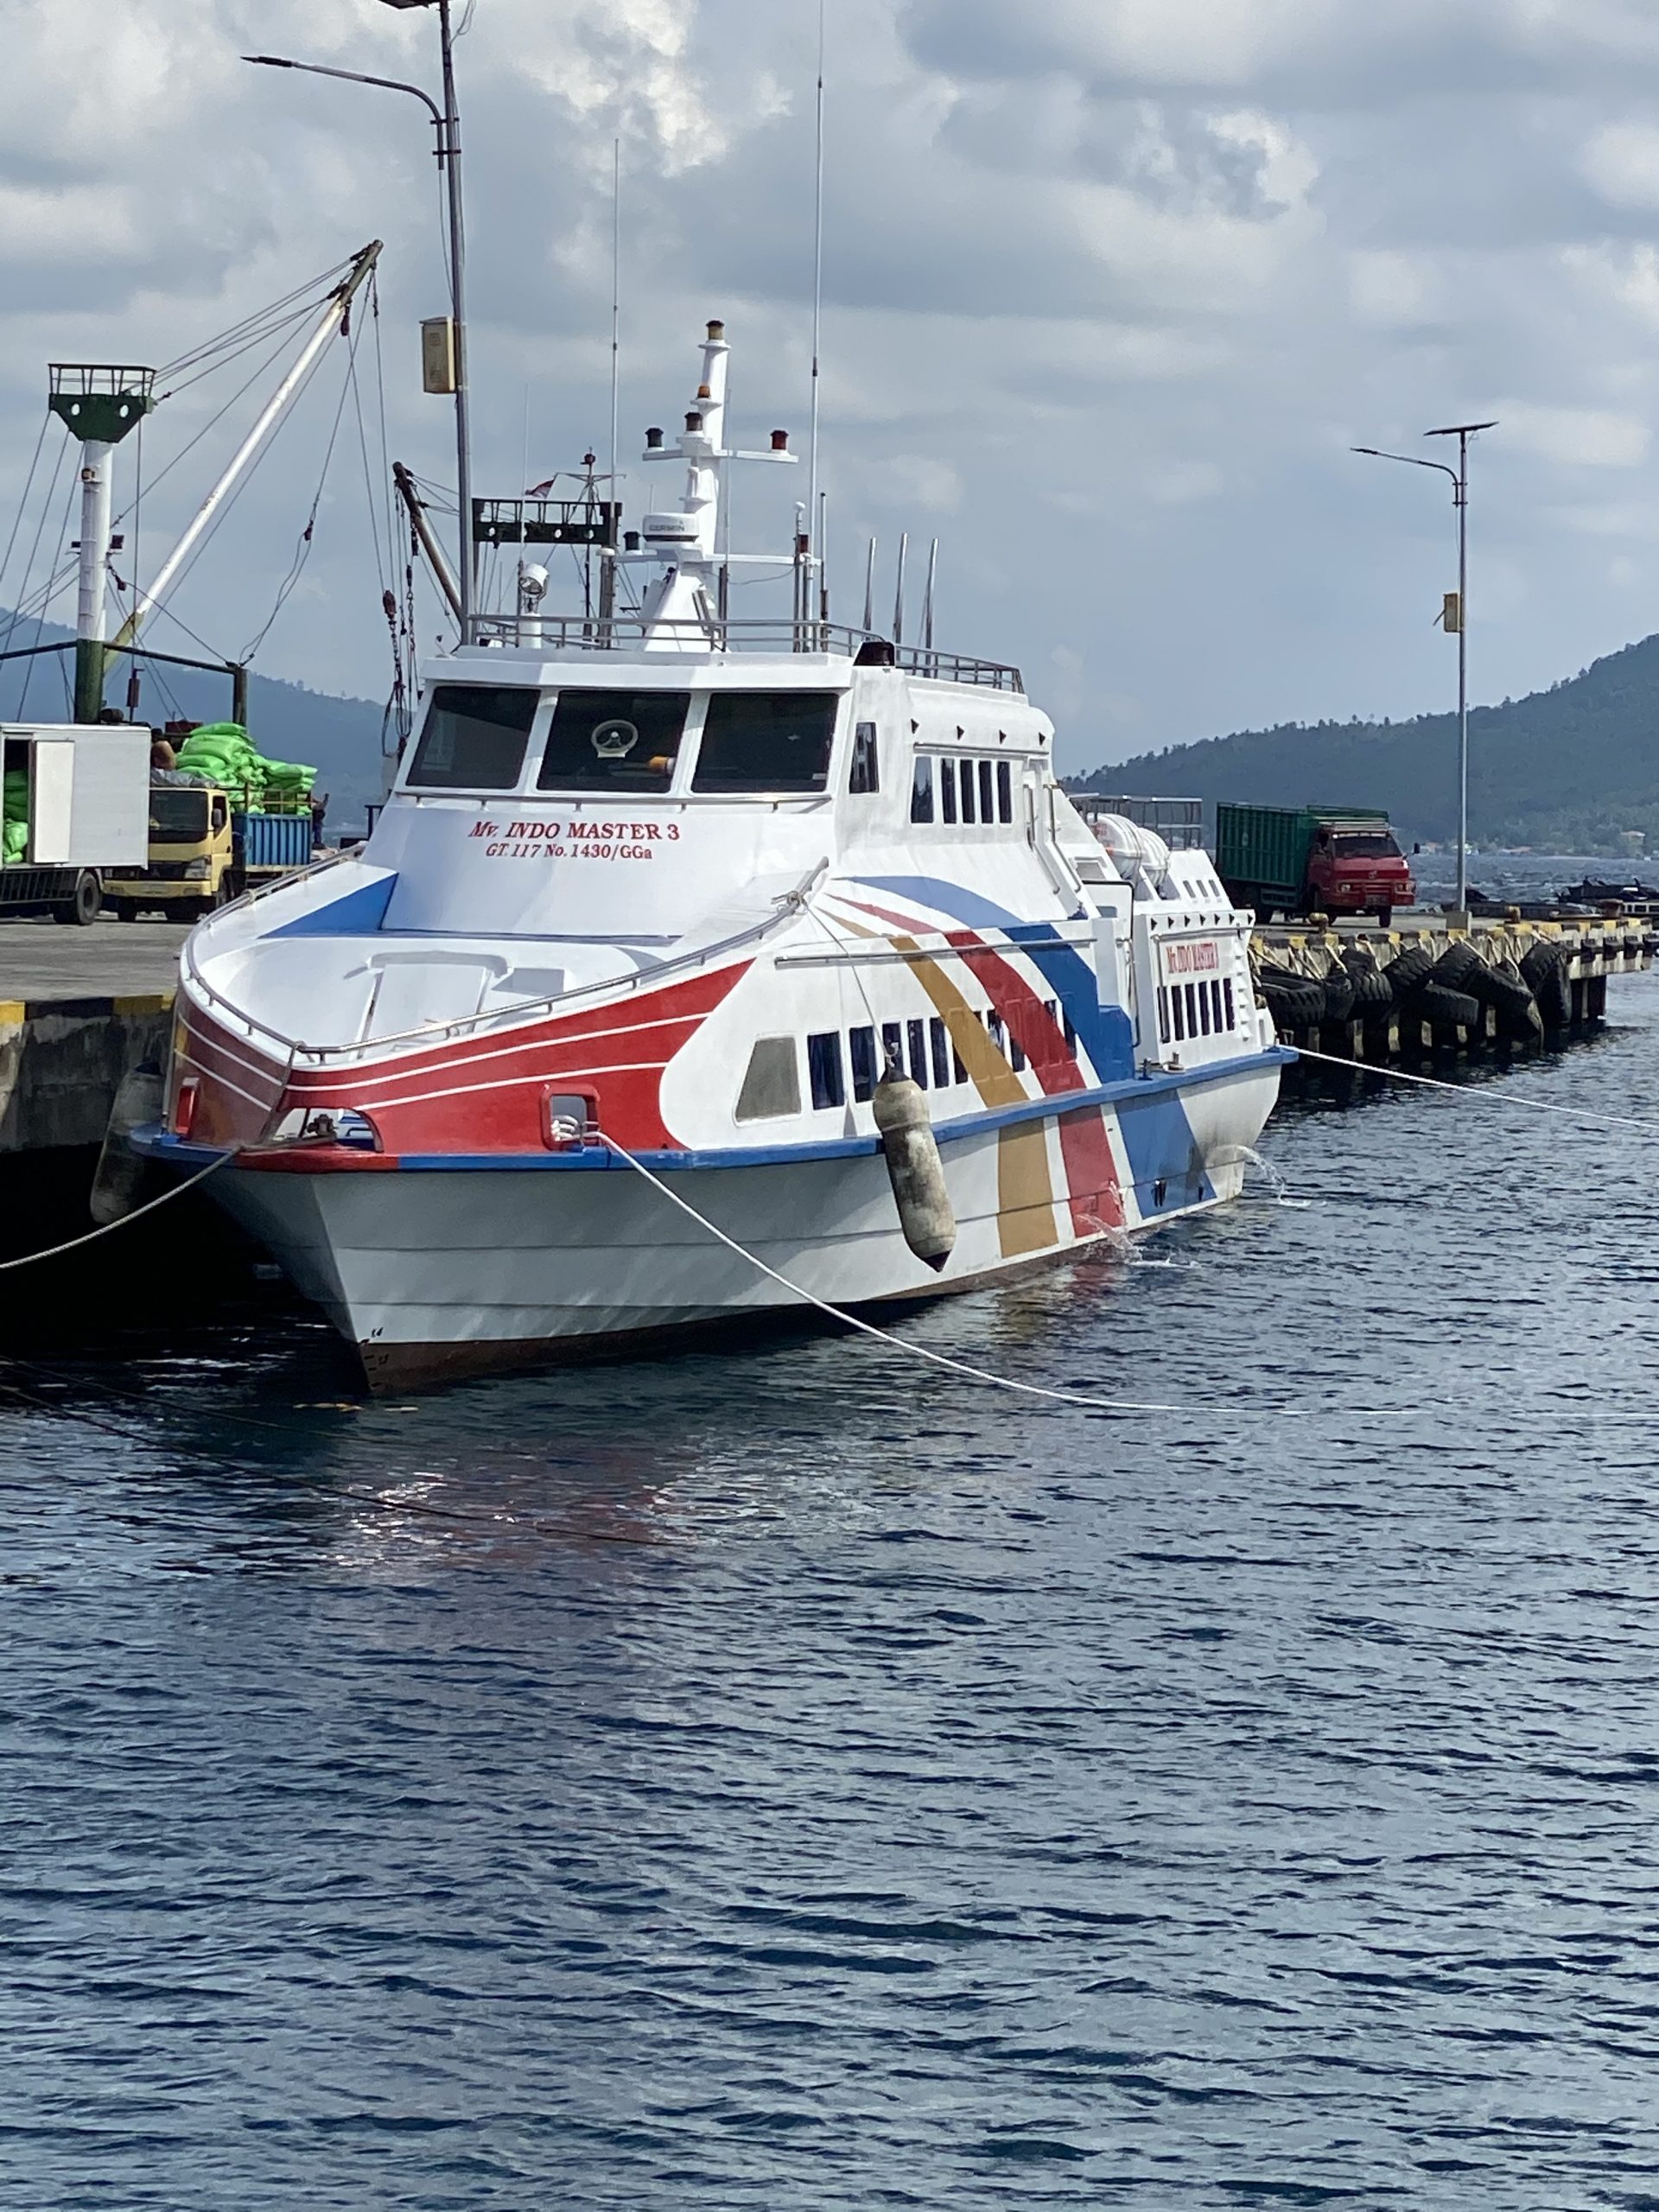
(458, 304)
(817, 293)
(869, 589)
(927, 596)
(823, 557)
(616, 300)
(899, 590)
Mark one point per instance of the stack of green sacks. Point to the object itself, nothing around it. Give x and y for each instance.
(14, 837)
(222, 751)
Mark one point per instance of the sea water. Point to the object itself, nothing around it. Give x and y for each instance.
(795, 1778)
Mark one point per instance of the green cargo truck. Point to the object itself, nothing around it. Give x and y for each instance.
(1306, 860)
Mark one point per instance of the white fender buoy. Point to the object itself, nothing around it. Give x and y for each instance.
(914, 1167)
(120, 1169)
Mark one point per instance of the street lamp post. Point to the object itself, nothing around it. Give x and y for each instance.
(1462, 432)
(447, 127)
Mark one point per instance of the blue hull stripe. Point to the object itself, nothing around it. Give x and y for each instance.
(1161, 1146)
(360, 913)
(968, 906)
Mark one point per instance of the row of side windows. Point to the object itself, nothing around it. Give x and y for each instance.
(923, 1048)
(1205, 1009)
(962, 790)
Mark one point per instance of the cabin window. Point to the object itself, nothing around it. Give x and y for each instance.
(999, 1035)
(766, 742)
(987, 801)
(1215, 1007)
(823, 1070)
(1070, 1032)
(966, 770)
(893, 1046)
(474, 738)
(947, 790)
(921, 792)
(1189, 992)
(613, 740)
(1203, 990)
(861, 1049)
(939, 1046)
(866, 773)
(916, 1042)
(1227, 997)
(1163, 1013)
(1175, 1008)
(772, 1086)
(1004, 791)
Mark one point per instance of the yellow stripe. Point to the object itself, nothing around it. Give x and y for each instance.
(1025, 1194)
(13, 1010)
(1024, 1189)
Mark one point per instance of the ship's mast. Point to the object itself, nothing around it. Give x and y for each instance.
(681, 608)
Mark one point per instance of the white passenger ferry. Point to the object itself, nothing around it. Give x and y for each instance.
(684, 890)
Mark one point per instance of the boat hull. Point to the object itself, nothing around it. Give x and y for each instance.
(440, 1268)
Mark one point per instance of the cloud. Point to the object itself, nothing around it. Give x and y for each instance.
(1577, 437)
(1110, 287)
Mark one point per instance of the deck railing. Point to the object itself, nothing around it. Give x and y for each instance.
(587, 633)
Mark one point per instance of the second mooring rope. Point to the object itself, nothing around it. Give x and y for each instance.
(1487, 1094)
(984, 1375)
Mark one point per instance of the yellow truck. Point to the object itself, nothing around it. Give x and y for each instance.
(204, 851)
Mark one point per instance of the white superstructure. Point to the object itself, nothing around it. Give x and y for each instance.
(691, 886)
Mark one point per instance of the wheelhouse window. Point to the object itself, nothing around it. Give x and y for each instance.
(474, 738)
(965, 768)
(921, 792)
(987, 801)
(1004, 791)
(947, 790)
(613, 740)
(766, 742)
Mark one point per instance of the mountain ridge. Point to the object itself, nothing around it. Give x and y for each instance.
(1569, 769)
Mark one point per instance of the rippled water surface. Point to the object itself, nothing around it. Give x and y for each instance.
(796, 1779)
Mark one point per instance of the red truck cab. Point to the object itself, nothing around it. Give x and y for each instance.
(1358, 868)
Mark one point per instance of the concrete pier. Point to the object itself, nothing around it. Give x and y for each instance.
(78, 1008)
(1589, 951)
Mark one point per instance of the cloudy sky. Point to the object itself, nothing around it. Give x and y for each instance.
(1111, 287)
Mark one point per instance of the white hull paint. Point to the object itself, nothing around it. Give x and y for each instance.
(440, 1272)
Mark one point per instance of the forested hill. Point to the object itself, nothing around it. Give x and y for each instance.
(1564, 770)
(340, 737)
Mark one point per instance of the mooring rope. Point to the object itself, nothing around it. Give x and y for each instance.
(986, 1376)
(1488, 1093)
(74, 1243)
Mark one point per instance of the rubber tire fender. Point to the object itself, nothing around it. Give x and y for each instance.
(1372, 989)
(1409, 970)
(1339, 995)
(1445, 1008)
(1455, 965)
